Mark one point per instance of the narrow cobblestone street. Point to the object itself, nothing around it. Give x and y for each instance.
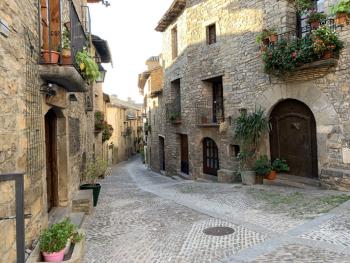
(146, 217)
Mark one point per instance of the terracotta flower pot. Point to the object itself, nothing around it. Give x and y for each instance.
(341, 19)
(66, 57)
(266, 41)
(54, 56)
(315, 24)
(271, 176)
(327, 54)
(54, 257)
(273, 38)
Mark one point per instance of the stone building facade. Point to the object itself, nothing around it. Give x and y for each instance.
(214, 69)
(126, 120)
(46, 129)
(151, 88)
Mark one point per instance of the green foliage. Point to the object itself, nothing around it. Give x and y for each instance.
(264, 35)
(107, 131)
(66, 43)
(99, 119)
(303, 5)
(250, 129)
(174, 116)
(95, 168)
(342, 7)
(326, 39)
(280, 166)
(316, 17)
(286, 55)
(262, 166)
(55, 238)
(87, 65)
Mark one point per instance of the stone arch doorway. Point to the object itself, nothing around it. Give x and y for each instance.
(293, 137)
(210, 157)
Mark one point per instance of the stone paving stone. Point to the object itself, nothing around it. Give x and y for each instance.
(302, 254)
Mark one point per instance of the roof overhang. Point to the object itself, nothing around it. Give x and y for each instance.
(173, 12)
(106, 97)
(102, 49)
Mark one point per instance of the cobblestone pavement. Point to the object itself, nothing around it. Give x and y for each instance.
(146, 217)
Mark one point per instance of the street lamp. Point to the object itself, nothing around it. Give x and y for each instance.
(102, 75)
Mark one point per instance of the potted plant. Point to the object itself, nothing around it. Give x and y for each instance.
(53, 242)
(262, 168)
(265, 37)
(326, 42)
(107, 131)
(342, 12)
(72, 233)
(249, 130)
(66, 47)
(87, 65)
(315, 18)
(94, 169)
(50, 56)
(278, 166)
(303, 5)
(99, 121)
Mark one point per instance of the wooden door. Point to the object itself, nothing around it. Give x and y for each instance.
(51, 159)
(293, 137)
(218, 102)
(210, 157)
(184, 154)
(161, 154)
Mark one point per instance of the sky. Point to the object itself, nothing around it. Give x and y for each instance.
(128, 26)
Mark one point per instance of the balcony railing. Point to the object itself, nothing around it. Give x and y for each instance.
(173, 112)
(295, 50)
(62, 40)
(208, 115)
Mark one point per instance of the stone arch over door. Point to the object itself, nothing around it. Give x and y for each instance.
(325, 115)
(293, 137)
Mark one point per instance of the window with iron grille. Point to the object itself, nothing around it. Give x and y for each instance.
(211, 34)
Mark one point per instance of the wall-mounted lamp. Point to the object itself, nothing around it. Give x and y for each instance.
(102, 75)
(48, 89)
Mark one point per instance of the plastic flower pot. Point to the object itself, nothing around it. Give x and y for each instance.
(50, 60)
(271, 176)
(96, 188)
(54, 257)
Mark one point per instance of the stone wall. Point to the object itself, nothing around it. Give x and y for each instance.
(237, 59)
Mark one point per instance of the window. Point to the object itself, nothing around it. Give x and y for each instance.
(211, 34)
(174, 42)
(319, 6)
(218, 101)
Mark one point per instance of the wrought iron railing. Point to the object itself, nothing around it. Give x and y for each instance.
(173, 112)
(61, 40)
(207, 113)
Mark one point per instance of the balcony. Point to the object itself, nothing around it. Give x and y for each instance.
(303, 55)
(173, 112)
(61, 41)
(207, 115)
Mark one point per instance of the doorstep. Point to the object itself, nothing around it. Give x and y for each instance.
(295, 181)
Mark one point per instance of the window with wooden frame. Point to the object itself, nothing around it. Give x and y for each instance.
(174, 44)
(211, 34)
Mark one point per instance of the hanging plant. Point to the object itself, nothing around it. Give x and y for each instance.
(87, 65)
(107, 131)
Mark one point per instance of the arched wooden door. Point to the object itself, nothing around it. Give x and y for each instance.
(210, 157)
(293, 137)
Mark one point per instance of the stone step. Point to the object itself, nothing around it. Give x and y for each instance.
(294, 181)
(83, 202)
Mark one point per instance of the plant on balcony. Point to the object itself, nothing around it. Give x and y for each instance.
(99, 121)
(249, 130)
(107, 131)
(50, 56)
(303, 5)
(175, 116)
(66, 47)
(326, 42)
(315, 18)
(262, 168)
(265, 37)
(342, 12)
(87, 65)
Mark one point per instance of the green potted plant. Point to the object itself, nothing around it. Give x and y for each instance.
(342, 12)
(87, 65)
(303, 5)
(262, 168)
(315, 18)
(53, 242)
(278, 166)
(66, 47)
(249, 130)
(94, 169)
(326, 42)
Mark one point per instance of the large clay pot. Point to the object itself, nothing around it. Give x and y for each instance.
(248, 177)
(271, 176)
(327, 54)
(341, 19)
(54, 56)
(54, 257)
